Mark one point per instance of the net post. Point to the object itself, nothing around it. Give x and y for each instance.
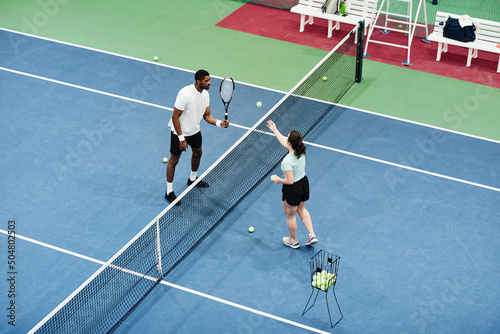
(359, 52)
(158, 249)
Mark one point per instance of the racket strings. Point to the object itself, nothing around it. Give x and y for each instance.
(226, 90)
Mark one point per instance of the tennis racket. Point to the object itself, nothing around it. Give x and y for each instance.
(226, 92)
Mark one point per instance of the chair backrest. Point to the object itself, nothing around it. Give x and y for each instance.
(487, 31)
(363, 8)
(313, 3)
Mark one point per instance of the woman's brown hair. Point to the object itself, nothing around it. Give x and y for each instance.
(295, 139)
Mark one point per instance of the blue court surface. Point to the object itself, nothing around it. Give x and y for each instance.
(413, 211)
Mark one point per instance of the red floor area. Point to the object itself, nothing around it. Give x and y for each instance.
(283, 25)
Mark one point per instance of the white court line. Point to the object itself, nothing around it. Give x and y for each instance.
(84, 88)
(240, 126)
(175, 286)
(240, 82)
(423, 124)
(390, 163)
(406, 167)
(162, 107)
(243, 83)
(59, 249)
(312, 144)
(247, 128)
(249, 309)
(127, 57)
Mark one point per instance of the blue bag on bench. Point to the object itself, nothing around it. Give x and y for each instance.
(453, 30)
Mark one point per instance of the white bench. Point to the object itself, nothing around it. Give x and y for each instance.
(487, 37)
(357, 10)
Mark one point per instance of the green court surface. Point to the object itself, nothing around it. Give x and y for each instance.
(182, 33)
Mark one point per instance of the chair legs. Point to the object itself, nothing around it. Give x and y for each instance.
(327, 306)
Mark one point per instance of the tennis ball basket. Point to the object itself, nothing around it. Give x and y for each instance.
(323, 271)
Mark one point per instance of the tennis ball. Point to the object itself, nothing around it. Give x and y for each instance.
(325, 78)
(259, 104)
(165, 160)
(400, 26)
(251, 229)
(273, 177)
(155, 58)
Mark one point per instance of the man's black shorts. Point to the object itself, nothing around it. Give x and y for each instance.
(297, 192)
(194, 141)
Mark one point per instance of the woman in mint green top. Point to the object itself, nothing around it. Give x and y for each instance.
(295, 185)
(297, 165)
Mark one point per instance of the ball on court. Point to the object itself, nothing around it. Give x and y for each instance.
(325, 78)
(155, 58)
(400, 26)
(251, 229)
(165, 160)
(259, 104)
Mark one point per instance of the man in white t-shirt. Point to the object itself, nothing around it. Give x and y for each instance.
(191, 105)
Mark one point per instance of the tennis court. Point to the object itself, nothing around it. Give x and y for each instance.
(412, 209)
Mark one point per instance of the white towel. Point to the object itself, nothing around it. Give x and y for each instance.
(464, 21)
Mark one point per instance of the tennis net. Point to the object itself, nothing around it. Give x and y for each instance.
(107, 297)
